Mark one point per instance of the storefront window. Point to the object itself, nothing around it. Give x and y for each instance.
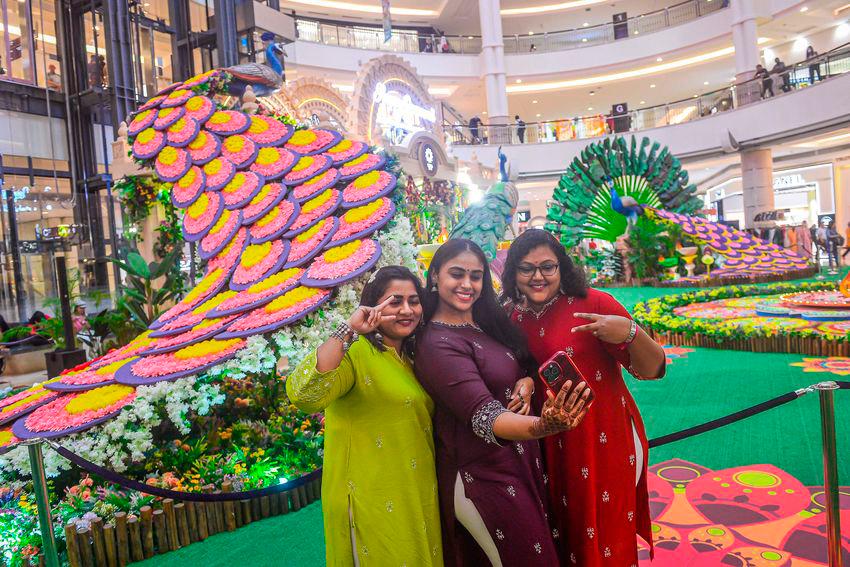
(47, 66)
(17, 42)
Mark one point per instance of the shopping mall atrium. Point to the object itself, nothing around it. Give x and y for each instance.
(425, 283)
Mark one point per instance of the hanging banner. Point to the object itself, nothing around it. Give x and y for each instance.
(388, 25)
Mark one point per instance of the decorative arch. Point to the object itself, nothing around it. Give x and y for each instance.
(387, 69)
(316, 96)
(282, 102)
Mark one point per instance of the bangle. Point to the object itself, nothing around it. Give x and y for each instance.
(632, 334)
(344, 334)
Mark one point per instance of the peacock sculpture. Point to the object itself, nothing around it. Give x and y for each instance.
(288, 221)
(263, 79)
(485, 222)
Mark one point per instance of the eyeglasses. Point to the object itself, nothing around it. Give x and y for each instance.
(527, 270)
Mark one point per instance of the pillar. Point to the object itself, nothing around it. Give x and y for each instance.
(745, 41)
(493, 66)
(757, 183)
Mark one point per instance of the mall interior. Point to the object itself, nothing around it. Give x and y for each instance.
(198, 194)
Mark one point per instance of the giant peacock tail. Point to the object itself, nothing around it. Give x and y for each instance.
(282, 216)
(581, 205)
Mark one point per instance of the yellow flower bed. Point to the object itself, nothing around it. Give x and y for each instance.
(222, 221)
(198, 142)
(168, 155)
(234, 144)
(318, 201)
(303, 163)
(367, 179)
(212, 167)
(188, 179)
(98, 398)
(361, 213)
(264, 192)
(235, 183)
(36, 395)
(340, 253)
(195, 103)
(311, 232)
(203, 286)
(302, 138)
(268, 217)
(357, 160)
(146, 135)
(177, 126)
(219, 117)
(214, 302)
(5, 437)
(274, 280)
(343, 146)
(205, 348)
(257, 126)
(200, 205)
(113, 367)
(255, 253)
(291, 298)
(267, 156)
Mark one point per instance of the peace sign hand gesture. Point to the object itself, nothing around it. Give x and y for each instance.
(367, 319)
(608, 328)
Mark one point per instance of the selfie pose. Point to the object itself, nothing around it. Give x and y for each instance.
(597, 471)
(379, 493)
(469, 358)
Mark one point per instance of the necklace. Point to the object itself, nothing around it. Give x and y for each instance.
(458, 325)
(522, 309)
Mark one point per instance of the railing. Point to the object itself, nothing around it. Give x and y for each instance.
(799, 75)
(411, 41)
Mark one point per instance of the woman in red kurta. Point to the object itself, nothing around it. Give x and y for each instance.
(597, 472)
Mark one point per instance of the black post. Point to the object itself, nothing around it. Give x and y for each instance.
(65, 303)
(15, 251)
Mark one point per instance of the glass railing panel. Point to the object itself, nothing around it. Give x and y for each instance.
(648, 23)
(330, 35)
(682, 13)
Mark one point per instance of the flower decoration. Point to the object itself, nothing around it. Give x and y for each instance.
(141, 121)
(260, 293)
(188, 188)
(168, 89)
(202, 215)
(240, 190)
(367, 187)
(87, 378)
(152, 103)
(207, 328)
(360, 165)
(200, 108)
(182, 132)
(229, 256)
(363, 220)
(187, 361)
(267, 131)
(227, 122)
(172, 163)
(270, 195)
(273, 163)
(275, 222)
(165, 117)
(219, 172)
(76, 412)
(7, 439)
(289, 307)
(239, 149)
(24, 402)
(210, 284)
(310, 142)
(346, 150)
(185, 322)
(205, 147)
(131, 349)
(200, 79)
(307, 167)
(304, 246)
(221, 233)
(176, 98)
(315, 210)
(258, 261)
(148, 143)
(342, 263)
(315, 185)
(838, 365)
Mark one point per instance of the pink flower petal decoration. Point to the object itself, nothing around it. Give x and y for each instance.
(168, 116)
(183, 362)
(125, 352)
(269, 195)
(313, 141)
(219, 172)
(200, 79)
(172, 163)
(210, 284)
(244, 186)
(152, 103)
(340, 264)
(7, 440)
(220, 234)
(239, 149)
(148, 143)
(205, 147)
(273, 163)
(346, 150)
(228, 258)
(176, 98)
(206, 329)
(25, 402)
(188, 188)
(360, 165)
(307, 167)
(200, 108)
(227, 122)
(54, 419)
(314, 210)
(283, 310)
(315, 185)
(259, 261)
(186, 321)
(306, 245)
(183, 131)
(260, 293)
(202, 215)
(275, 222)
(367, 187)
(86, 379)
(140, 121)
(364, 220)
(268, 131)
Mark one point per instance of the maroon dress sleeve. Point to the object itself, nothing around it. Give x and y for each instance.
(609, 306)
(447, 371)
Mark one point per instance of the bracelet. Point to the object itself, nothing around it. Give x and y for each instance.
(632, 334)
(344, 334)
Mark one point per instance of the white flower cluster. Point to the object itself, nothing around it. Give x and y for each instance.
(256, 358)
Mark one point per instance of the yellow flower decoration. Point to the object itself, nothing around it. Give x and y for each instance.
(234, 143)
(205, 348)
(290, 298)
(5, 437)
(168, 155)
(267, 156)
(195, 103)
(340, 253)
(221, 223)
(318, 201)
(303, 163)
(311, 232)
(357, 160)
(197, 208)
(255, 253)
(264, 192)
(143, 115)
(219, 117)
(235, 184)
(302, 138)
(113, 367)
(198, 142)
(358, 214)
(258, 126)
(214, 302)
(36, 395)
(212, 167)
(146, 136)
(274, 280)
(188, 179)
(165, 112)
(98, 398)
(206, 323)
(177, 93)
(343, 146)
(203, 286)
(269, 217)
(367, 179)
(177, 126)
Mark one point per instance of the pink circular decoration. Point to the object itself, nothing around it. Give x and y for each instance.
(169, 88)
(306, 245)
(148, 143)
(171, 366)
(244, 186)
(182, 132)
(227, 122)
(273, 163)
(188, 188)
(220, 234)
(359, 193)
(202, 215)
(360, 165)
(205, 329)
(259, 294)
(315, 185)
(313, 141)
(219, 172)
(177, 97)
(269, 195)
(184, 322)
(268, 131)
(201, 78)
(315, 210)
(264, 319)
(52, 420)
(151, 103)
(324, 273)
(85, 379)
(172, 163)
(239, 149)
(275, 222)
(346, 150)
(228, 258)
(200, 108)
(306, 168)
(270, 260)
(205, 147)
(168, 116)
(380, 213)
(123, 353)
(26, 401)
(212, 282)
(140, 121)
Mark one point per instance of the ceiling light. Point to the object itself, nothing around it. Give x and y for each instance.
(842, 30)
(365, 8)
(659, 59)
(592, 93)
(643, 102)
(637, 32)
(696, 96)
(518, 81)
(537, 115)
(585, 24)
(533, 102)
(469, 37)
(543, 8)
(804, 9)
(590, 108)
(484, 112)
(652, 86)
(531, 33)
(584, 40)
(705, 82)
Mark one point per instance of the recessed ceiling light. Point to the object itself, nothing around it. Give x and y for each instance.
(637, 32)
(705, 82)
(659, 59)
(368, 8)
(469, 37)
(584, 40)
(804, 9)
(518, 81)
(590, 108)
(652, 86)
(585, 24)
(533, 102)
(592, 93)
(485, 112)
(643, 102)
(547, 7)
(531, 33)
(696, 96)
(537, 115)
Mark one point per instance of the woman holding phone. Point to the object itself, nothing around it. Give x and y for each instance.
(597, 512)
(489, 470)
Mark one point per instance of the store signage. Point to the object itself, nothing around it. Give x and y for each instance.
(428, 159)
(523, 216)
(786, 181)
(398, 116)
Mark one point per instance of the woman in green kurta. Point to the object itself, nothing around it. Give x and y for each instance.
(379, 486)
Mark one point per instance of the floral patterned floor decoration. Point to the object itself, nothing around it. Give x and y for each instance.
(838, 365)
(675, 352)
(755, 516)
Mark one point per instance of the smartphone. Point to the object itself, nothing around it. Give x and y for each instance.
(555, 372)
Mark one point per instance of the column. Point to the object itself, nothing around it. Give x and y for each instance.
(757, 183)
(493, 69)
(745, 40)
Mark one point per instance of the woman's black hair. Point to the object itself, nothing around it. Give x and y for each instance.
(376, 287)
(573, 282)
(486, 311)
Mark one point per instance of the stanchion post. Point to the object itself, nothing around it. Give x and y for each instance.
(830, 471)
(39, 484)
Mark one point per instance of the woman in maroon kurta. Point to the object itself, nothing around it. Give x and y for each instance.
(489, 470)
(597, 472)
